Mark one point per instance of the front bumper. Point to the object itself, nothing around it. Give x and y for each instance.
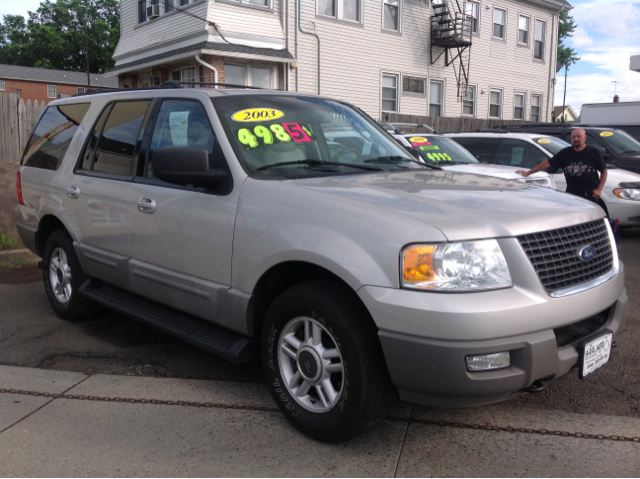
(432, 372)
(626, 212)
(426, 336)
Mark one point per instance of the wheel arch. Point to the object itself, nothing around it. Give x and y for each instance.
(47, 225)
(282, 276)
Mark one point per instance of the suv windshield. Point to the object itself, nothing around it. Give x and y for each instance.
(273, 134)
(439, 150)
(551, 144)
(620, 142)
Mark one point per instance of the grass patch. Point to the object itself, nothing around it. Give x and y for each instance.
(7, 242)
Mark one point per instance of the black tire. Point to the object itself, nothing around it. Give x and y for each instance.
(77, 307)
(366, 389)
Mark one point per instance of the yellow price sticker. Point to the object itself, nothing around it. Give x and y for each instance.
(257, 114)
(418, 139)
(606, 133)
(544, 141)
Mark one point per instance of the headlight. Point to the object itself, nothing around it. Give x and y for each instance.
(627, 193)
(455, 267)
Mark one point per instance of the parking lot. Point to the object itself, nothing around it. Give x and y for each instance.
(110, 355)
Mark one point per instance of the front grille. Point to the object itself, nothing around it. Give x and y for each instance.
(574, 332)
(553, 254)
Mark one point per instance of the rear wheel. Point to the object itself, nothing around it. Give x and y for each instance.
(63, 276)
(323, 361)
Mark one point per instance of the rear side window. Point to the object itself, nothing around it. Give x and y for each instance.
(51, 138)
(519, 153)
(482, 148)
(112, 144)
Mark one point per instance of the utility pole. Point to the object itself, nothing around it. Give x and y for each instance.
(86, 49)
(564, 99)
(615, 88)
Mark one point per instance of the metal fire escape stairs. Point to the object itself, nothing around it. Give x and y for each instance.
(451, 30)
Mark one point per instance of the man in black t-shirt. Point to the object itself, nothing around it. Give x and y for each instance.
(581, 164)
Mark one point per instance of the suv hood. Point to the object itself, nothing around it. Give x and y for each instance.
(615, 176)
(498, 171)
(463, 206)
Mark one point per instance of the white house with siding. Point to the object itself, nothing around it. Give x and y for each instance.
(377, 54)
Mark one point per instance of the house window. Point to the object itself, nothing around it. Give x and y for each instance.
(340, 9)
(168, 6)
(51, 91)
(538, 47)
(435, 98)
(389, 93)
(184, 2)
(80, 90)
(536, 101)
(523, 30)
(518, 106)
(234, 74)
(261, 77)
(413, 85)
(18, 91)
(473, 9)
(187, 74)
(469, 102)
(142, 11)
(2, 85)
(391, 15)
(499, 17)
(495, 103)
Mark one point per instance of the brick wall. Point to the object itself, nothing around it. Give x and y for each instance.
(218, 64)
(161, 73)
(127, 80)
(32, 90)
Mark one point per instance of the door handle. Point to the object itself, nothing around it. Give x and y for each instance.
(146, 205)
(73, 192)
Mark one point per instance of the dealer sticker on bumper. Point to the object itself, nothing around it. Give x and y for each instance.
(596, 354)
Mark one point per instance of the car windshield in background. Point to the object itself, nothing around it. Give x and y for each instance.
(439, 150)
(621, 142)
(552, 144)
(271, 134)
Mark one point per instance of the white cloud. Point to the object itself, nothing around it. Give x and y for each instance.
(18, 8)
(608, 34)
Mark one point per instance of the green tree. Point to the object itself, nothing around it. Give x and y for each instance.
(53, 36)
(566, 56)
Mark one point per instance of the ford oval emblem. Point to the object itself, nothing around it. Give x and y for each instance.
(586, 253)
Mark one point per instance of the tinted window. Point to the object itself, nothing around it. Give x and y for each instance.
(87, 157)
(437, 149)
(117, 142)
(519, 153)
(185, 123)
(482, 148)
(591, 141)
(52, 136)
(551, 144)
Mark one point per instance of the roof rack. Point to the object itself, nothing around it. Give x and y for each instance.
(170, 84)
(415, 125)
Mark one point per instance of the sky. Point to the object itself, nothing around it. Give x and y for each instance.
(608, 34)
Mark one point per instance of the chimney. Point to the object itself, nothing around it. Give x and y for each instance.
(616, 99)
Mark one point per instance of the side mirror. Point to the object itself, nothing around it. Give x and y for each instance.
(603, 151)
(415, 151)
(185, 165)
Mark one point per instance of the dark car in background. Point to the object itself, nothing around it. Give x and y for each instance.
(621, 149)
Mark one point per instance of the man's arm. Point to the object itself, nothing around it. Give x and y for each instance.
(603, 179)
(541, 166)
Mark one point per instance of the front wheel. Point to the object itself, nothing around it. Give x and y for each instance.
(323, 361)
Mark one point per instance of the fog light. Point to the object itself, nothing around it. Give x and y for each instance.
(488, 362)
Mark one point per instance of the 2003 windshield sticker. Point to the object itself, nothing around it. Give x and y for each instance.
(257, 114)
(274, 134)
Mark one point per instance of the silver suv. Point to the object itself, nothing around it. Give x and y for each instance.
(293, 228)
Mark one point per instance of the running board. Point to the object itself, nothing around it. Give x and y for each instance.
(222, 342)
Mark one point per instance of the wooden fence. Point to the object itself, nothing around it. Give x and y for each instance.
(17, 120)
(450, 124)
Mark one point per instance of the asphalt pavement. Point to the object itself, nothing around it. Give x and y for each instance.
(242, 435)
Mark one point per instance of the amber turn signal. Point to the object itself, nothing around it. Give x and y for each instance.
(418, 264)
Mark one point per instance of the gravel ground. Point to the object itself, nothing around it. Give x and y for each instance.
(112, 344)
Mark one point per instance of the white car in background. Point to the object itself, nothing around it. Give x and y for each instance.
(450, 156)
(621, 192)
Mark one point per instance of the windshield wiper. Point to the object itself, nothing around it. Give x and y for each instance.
(398, 159)
(629, 151)
(312, 162)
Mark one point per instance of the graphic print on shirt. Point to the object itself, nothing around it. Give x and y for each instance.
(578, 169)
